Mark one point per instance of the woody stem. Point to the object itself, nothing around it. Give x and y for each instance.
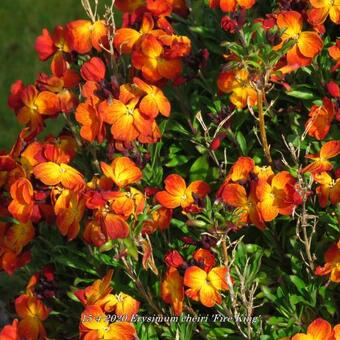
(262, 125)
(140, 286)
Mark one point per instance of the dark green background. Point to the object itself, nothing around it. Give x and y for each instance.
(21, 21)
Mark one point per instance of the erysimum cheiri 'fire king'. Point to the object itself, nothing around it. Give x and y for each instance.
(13, 239)
(231, 5)
(238, 84)
(321, 9)
(319, 329)
(328, 190)
(205, 286)
(268, 196)
(97, 301)
(32, 106)
(32, 312)
(177, 194)
(321, 160)
(156, 7)
(154, 52)
(55, 45)
(83, 35)
(321, 117)
(332, 263)
(307, 44)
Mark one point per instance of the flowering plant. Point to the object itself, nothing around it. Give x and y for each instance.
(193, 188)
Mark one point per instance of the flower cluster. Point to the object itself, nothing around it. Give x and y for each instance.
(152, 174)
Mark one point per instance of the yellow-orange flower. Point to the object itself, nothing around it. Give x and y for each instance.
(32, 312)
(52, 174)
(307, 44)
(205, 287)
(178, 194)
(321, 9)
(321, 117)
(321, 160)
(237, 83)
(83, 35)
(22, 204)
(69, 209)
(172, 290)
(319, 329)
(95, 325)
(123, 171)
(332, 264)
(328, 190)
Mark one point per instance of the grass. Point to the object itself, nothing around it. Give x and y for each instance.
(21, 21)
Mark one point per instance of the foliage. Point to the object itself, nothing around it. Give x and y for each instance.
(193, 190)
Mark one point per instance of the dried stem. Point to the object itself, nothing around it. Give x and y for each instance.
(140, 287)
(262, 125)
(303, 220)
(233, 297)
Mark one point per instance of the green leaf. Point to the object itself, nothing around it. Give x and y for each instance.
(199, 169)
(307, 95)
(9, 220)
(242, 142)
(299, 284)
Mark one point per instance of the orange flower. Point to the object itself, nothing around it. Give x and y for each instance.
(129, 5)
(97, 292)
(22, 203)
(31, 106)
(13, 238)
(172, 290)
(332, 264)
(334, 52)
(60, 150)
(237, 83)
(247, 210)
(60, 85)
(10, 332)
(125, 38)
(126, 120)
(328, 190)
(307, 44)
(32, 312)
(69, 209)
(320, 120)
(123, 171)
(85, 35)
(126, 306)
(91, 115)
(93, 234)
(319, 329)
(55, 45)
(230, 5)
(321, 9)
(114, 226)
(52, 174)
(154, 101)
(148, 56)
(321, 160)
(160, 220)
(241, 169)
(17, 236)
(204, 258)
(277, 197)
(95, 325)
(178, 194)
(205, 287)
(127, 203)
(93, 70)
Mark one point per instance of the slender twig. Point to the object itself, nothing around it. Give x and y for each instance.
(262, 125)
